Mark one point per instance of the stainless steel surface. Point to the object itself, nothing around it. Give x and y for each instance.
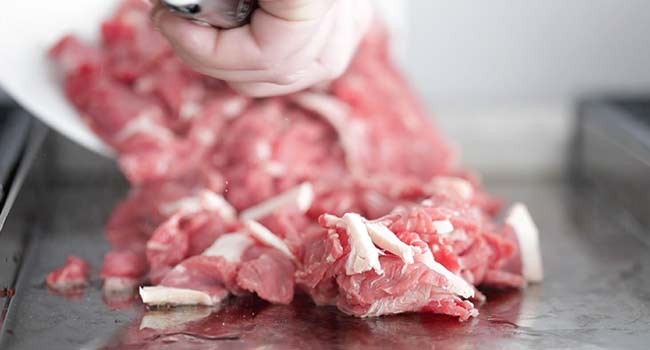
(224, 14)
(13, 135)
(21, 142)
(596, 294)
(612, 152)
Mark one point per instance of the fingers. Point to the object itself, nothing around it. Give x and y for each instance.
(204, 46)
(260, 45)
(306, 78)
(346, 36)
(289, 44)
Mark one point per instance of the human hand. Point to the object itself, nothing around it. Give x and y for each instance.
(289, 45)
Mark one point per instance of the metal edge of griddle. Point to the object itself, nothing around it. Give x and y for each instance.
(22, 275)
(28, 155)
(37, 134)
(606, 123)
(14, 129)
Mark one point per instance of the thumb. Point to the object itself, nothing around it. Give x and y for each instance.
(296, 10)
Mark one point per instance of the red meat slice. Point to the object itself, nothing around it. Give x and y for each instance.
(135, 219)
(72, 56)
(398, 290)
(74, 274)
(268, 273)
(123, 270)
(451, 305)
(207, 274)
(182, 235)
(136, 123)
(261, 270)
(184, 157)
(124, 264)
(131, 43)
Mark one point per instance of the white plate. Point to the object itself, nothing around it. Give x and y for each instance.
(28, 28)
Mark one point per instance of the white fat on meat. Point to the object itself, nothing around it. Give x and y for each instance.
(205, 136)
(268, 238)
(214, 202)
(333, 110)
(522, 223)
(336, 113)
(301, 196)
(452, 185)
(164, 319)
(263, 150)
(364, 235)
(160, 295)
(275, 169)
(457, 284)
(230, 246)
(234, 107)
(386, 239)
(189, 110)
(399, 304)
(205, 200)
(443, 227)
(364, 256)
(359, 231)
(145, 124)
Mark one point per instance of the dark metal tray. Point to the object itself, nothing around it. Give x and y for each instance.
(596, 294)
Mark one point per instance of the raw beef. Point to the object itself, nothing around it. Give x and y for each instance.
(346, 192)
(123, 270)
(74, 274)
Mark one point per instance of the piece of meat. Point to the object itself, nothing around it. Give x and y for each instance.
(132, 45)
(123, 270)
(74, 274)
(250, 267)
(268, 238)
(321, 260)
(184, 234)
(398, 290)
(472, 249)
(136, 218)
(268, 273)
(207, 274)
(230, 246)
(300, 197)
(346, 192)
(72, 56)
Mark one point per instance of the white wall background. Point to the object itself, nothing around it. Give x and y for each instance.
(527, 49)
(502, 75)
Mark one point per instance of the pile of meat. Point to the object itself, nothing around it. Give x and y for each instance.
(347, 192)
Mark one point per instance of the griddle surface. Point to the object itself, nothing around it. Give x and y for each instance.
(595, 296)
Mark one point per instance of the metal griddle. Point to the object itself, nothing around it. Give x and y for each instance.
(596, 294)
